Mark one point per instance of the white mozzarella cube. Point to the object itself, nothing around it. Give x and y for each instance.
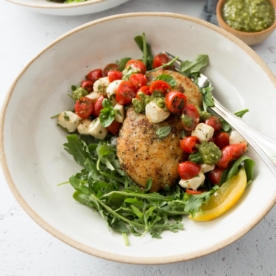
(100, 85)
(156, 114)
(68, 120)
(193, 183)
(97, 130)
(83, 126)
(93, 96)
(206, 168)
(111, 91)
(236, 138)
(203, 132)
(120, 113)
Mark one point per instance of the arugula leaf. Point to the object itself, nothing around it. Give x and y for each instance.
(122, 63)
(189, 67)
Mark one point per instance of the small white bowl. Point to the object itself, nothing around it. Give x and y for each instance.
(31, 145)
(88, 7)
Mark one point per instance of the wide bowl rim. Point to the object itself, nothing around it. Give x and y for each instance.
(223, 24)
(54, 6)
(82, 247)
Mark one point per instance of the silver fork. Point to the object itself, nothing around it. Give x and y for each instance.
(262, 144)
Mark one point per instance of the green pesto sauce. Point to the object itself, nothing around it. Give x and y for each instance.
(140, 104)
(249, 15)
(210, 153)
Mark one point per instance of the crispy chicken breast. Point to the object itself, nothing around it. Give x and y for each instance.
(142, 154)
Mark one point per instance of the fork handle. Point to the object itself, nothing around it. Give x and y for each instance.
(262, 144)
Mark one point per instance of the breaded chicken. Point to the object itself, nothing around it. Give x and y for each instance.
(183, 84)
(142, 155)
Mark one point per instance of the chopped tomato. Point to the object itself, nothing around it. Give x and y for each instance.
(138, 65)
(87, 85)
(230, 153)
(114, 128)
(98, 106)
(139, 80)
(84, 107)
(193, 192)
(144, 89)
(188, 144)
(126, 91)
(188, 169)
(110, 67)
(215, 175)
(190, 117)
(175, 101)
(114, 75)
(214, 122)
(159, 60)
(221, 139)
(94, 75)
(160, 86)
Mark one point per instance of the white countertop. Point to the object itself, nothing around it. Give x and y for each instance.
(26, 248)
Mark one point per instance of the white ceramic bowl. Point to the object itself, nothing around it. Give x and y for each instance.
(34, 161)
(88, 7)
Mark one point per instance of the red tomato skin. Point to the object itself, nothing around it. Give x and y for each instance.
(230, 153)
(126, 91)
(188, 144)
(143, 89)
(159, 60)
(94, 75)
(160, 86)
(191, 111)
(221, 139)
(87, 85)
(98, 106)
(188, 169)
(114, 128)
(214, 122)
(84, 107)
(114, 75)
(137, 64)
(215, 175)
(175, 101)
(139, 80)
(110, 67)
(193, 192)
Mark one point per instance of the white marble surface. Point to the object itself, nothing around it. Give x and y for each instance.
(28, 250)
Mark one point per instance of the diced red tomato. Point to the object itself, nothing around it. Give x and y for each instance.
(160, 86)
(230, 153)
(143, 89)
(139, 80)
(214, 122)
(114, 75)
(191, 117)
(98, 106)
(193, 192)
(84, 107)
(188, 144)
(221, 139)
(126, 91)
(94, 75)
(215, 175)
(110, 67)
(114, 128)
(188, 169)
(175, 101)
(159, 60)
(137, 64)
(87, 85)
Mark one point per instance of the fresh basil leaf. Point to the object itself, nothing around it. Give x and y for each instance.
(167, 78)
(163, 132)
(107, 114)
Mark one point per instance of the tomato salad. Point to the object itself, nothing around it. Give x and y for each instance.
(214, 152)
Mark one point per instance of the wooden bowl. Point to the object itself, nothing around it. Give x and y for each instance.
(249, 38)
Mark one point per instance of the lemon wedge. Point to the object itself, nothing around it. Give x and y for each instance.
(223, 199)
